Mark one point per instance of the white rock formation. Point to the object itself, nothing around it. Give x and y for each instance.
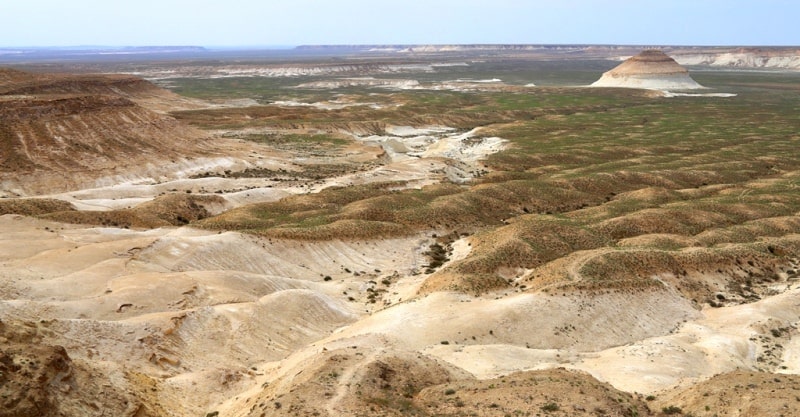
(761, 58)
(650, 69)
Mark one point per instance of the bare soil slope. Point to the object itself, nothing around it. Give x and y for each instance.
(738, 394)
(60, 132)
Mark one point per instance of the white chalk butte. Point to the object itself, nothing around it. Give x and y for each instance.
(651, 69)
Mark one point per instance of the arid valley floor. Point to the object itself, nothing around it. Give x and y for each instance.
(392, 231)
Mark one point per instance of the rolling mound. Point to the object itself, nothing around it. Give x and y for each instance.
(33, 206)
(554, 392)
(356, 381)
(348, 380)
(650, 69)
(168, 210)
(738, 393)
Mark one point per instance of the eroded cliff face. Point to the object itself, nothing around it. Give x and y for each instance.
(650, 69)
(755, 58)
(59, 132)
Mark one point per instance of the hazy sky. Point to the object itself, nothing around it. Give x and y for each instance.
(296, 22)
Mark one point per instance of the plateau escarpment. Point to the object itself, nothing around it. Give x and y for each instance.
(650, 69)
(745, 58)
(60, 132)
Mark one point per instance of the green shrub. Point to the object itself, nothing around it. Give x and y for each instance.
(550, 407)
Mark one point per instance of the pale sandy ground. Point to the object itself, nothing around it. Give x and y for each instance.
(419, 156)
(326, 105)
(190, 306)
(399, 84)
(194, 307)
(720, 340)
(721, 95)
(186, 305)
(653, 82)
(222, 282)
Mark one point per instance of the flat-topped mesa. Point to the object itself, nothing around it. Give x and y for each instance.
(63, 132)
(651, 69)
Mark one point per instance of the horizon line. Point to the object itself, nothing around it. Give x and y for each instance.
(353, 45)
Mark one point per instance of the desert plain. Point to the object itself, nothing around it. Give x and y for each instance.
(408, 231)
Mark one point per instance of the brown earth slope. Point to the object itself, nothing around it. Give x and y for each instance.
(59, 132)
(738, 393)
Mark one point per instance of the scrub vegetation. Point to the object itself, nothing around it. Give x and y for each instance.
(584, 169)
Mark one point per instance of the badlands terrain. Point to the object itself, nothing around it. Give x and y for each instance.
(381, 232)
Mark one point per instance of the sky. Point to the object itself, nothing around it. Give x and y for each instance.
(303, 22)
